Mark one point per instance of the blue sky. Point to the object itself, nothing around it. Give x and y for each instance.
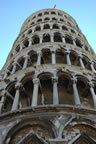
(14, 12)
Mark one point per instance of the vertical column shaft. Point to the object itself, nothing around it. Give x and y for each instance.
(39, 58)
(16, 98)
(35, 92)
(26, 61)
(93, 93)
(53, 57)
(55, 91)
(14, 68)
(75, 92)
(68, 57)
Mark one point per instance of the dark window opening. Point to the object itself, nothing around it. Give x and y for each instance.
(53, 13)
(55, 26)
(72, 31)
(46, 26)
(40, 14)
(39, 20)
(69, 40)
(46, 13)
(57, 37)
(64, 28)
(61, 20)
(18, 48)
(38, 28)
(46, 38)
(26, 43)
(30, 31)
(54, 18)
(47, 18)
(78, 43)
(36, 40)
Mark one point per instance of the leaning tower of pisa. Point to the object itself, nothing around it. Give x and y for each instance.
(48, 84)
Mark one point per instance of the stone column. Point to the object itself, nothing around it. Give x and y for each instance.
(40, 39)
(35, 92)
(63, 39)
(2, 100)
(26, 61)
(42, 27)
(92, 67)
(53, 57)
(16, 98)
(39, 58)
(93, 93)
(74, 42)
(75, 92)
(68, 57)
(55, 90)
(30, 41)
(52, 38)
(14, 68)
(81, 62)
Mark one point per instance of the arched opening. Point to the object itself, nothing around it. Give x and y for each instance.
(74, 59)
(61, 20)
(39, 20)
(9, 97)
(47, 18)
(78, 43)
(55, 26)
(40, 14)
(60, 57)
(17, 48)
(46, 96)
(84, 92)
(65, 89)
(29, 31)
(26, 43)
(64, 28)
(27, 92)
(54, 18)
(30, 131)
(86, 62)
(86, 48)
(46, 13)
(57, 37)
(53, 13)
(68, 39)
(38, 28)
(46, 37)
(33, 58)
(32, 23)
(36, 40)
(46, 54)
(46, 26)
(72, 31)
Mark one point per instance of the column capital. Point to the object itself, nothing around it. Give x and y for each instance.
(67, 51)
(36, 81)
(91, 62)
(80, 55)
(26, 56)
(55, 79)
(18, 85)
(91, 84)
(39, 53)
(74, 80)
